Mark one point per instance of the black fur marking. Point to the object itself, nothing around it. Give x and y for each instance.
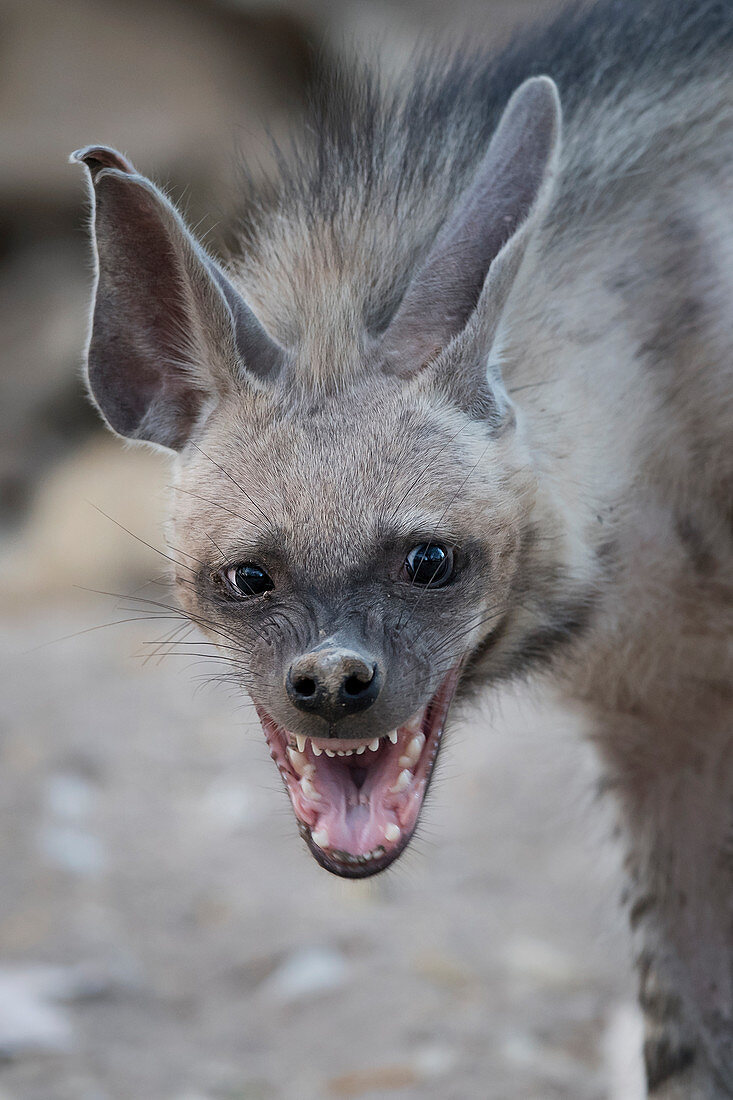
(538, 647)
(664, 1059)
(640, 908)
(433, 131)
(660, 1006)
(484, 647)
(608, 556)
(681, 320)
(701, 556)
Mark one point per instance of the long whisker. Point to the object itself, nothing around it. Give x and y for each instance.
(215, 504)
(241, 488)
(90, 629)
(199, 620)
(425, 471)
(127, 531)
(177, 641)
(216, 546)
(168, 639)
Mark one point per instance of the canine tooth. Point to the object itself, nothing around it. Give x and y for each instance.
(393, 737)
(374, 745)
(320, 838)
(317, 750)
(392, 832)
(298, 760)
(403, 782)
(360, 750)
(309, 790)
(300, 740)
(412, 752)
(330, 752)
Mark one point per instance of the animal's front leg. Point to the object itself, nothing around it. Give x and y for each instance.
(690, 1084)
(676, 1064)
(676, 796)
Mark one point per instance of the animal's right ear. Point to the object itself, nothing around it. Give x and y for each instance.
(170, 334)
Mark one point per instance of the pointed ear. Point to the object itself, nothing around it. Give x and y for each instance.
(476, 255)
(170, 334)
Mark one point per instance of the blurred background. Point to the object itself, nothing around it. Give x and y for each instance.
(163, 933)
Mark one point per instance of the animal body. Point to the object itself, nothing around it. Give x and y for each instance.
(460, 411)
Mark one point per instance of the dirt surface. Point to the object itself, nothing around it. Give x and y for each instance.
(166, 936)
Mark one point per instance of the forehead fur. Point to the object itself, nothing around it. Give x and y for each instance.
(338, 475)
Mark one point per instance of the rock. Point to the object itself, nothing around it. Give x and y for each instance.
(541, 963)
(69, 797)
(72, 849)
(307, 972)
(29, 1021)
(231, 805)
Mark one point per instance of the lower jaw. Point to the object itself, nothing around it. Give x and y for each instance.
(346, 865)
(401, 810)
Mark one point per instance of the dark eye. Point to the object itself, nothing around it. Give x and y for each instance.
(429, 564)
(249, 579)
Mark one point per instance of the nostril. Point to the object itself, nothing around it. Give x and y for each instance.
(305, 686)
(332, 683)
(354, 685)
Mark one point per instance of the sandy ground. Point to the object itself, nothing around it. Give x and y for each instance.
(166, 936)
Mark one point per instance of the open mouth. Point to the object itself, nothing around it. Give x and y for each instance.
(357, 802)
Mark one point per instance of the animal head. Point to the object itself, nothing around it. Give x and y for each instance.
(352, 502)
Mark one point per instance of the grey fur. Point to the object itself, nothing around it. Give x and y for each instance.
(570, 436)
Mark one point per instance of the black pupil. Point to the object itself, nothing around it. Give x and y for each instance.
(428, 564)
(251, 580)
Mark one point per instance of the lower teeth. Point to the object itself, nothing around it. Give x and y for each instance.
(347, 857)
(320, 839)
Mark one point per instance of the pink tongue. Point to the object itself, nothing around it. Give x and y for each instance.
(356, 829)
(355, 819)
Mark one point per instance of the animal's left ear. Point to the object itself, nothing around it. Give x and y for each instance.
(468, 273)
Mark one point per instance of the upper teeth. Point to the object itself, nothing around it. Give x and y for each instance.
(300, 762)
(412, 752)
(301, 741)
(306, 771)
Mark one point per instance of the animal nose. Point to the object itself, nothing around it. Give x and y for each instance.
(333, 682)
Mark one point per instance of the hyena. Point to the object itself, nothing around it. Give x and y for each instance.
(459, 412)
